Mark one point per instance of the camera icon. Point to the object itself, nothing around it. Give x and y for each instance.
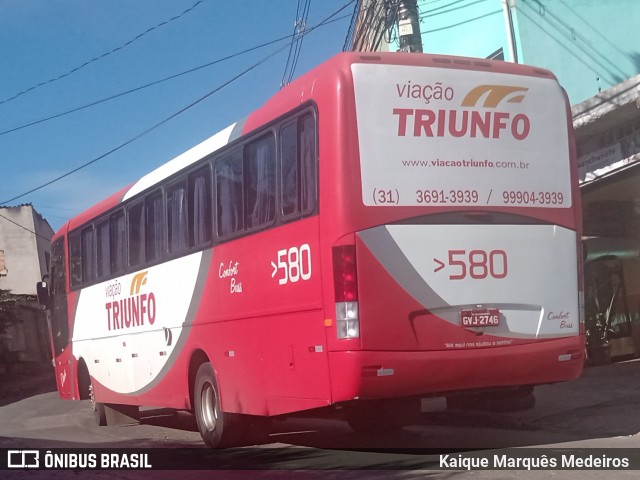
(23, 459)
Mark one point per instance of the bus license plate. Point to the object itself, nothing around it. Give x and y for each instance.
(489, 317)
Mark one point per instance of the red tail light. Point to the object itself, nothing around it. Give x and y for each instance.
(345, 277)
(345, 281)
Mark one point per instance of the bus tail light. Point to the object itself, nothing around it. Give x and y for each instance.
(345, 281)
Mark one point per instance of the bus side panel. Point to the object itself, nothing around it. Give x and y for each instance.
(295, 362)
(264, 296)
(236, 361)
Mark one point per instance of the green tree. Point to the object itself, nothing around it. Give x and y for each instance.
(7, 318)
(7, 309)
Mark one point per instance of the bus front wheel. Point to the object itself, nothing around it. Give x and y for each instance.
(99, 409)
(217, 428)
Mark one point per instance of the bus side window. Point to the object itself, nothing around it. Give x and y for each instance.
(75, 259)
(103, 251)
(177, 216)
(154, 233)
(308, 164)
(289, 168)
(136, 234)
(200, 217)
(298, 167)
(229, 187)
(260, 182)
(88, 255)
(118, 243)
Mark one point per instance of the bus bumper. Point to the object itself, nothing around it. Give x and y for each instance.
(388, 374)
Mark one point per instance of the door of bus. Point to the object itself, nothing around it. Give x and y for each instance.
(59, 321)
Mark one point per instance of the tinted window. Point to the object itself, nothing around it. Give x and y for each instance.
(118, 243)
(261, 182)
(154, 230)
(75, 258)
(298, 167)
(229, 186)
(103, 251)
(88, 255)
(200, 217)
(136, 234)
(177, 218)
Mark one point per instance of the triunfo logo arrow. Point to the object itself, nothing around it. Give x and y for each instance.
(494, 95)
(138, 281)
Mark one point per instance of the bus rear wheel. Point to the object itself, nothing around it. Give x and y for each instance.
(217, 428)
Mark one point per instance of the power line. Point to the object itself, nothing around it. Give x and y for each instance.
(155, 82)
(100, 57)
(301, 25)
(296, 44)
(182, 110)
(461, 23)
(141, 87)
(144, 132)
(439, 10)
(293, 37)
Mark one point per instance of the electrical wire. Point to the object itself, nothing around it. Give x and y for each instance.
(439, 11)
(301, 25)
(172, 116)
(24, 228)
(141, 87)
(296, 46)
(373, 18)
(293, 37)
(153, 83)
(100, 57)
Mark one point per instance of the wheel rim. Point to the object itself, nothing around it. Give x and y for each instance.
(208, 409)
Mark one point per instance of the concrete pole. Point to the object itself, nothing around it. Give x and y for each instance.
(409, 26)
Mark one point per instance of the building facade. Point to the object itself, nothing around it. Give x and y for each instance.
(24, 257)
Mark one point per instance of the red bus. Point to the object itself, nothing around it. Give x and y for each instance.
(387, 226)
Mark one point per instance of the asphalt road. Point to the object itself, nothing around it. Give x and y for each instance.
(598, 410)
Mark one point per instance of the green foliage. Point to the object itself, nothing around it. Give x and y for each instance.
(7, 309)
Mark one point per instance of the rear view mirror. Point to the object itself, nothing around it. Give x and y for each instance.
(44, 297)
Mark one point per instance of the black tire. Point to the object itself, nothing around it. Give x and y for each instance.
(84, 381)
(99, 410)
(217, 428)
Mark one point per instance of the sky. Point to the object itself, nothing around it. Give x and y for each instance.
(68, 54)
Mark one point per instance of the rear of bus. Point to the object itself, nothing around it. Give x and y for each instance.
(455, 240)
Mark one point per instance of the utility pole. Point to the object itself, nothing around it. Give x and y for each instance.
(409, 26)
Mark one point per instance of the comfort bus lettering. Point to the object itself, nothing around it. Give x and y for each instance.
(136, 310)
